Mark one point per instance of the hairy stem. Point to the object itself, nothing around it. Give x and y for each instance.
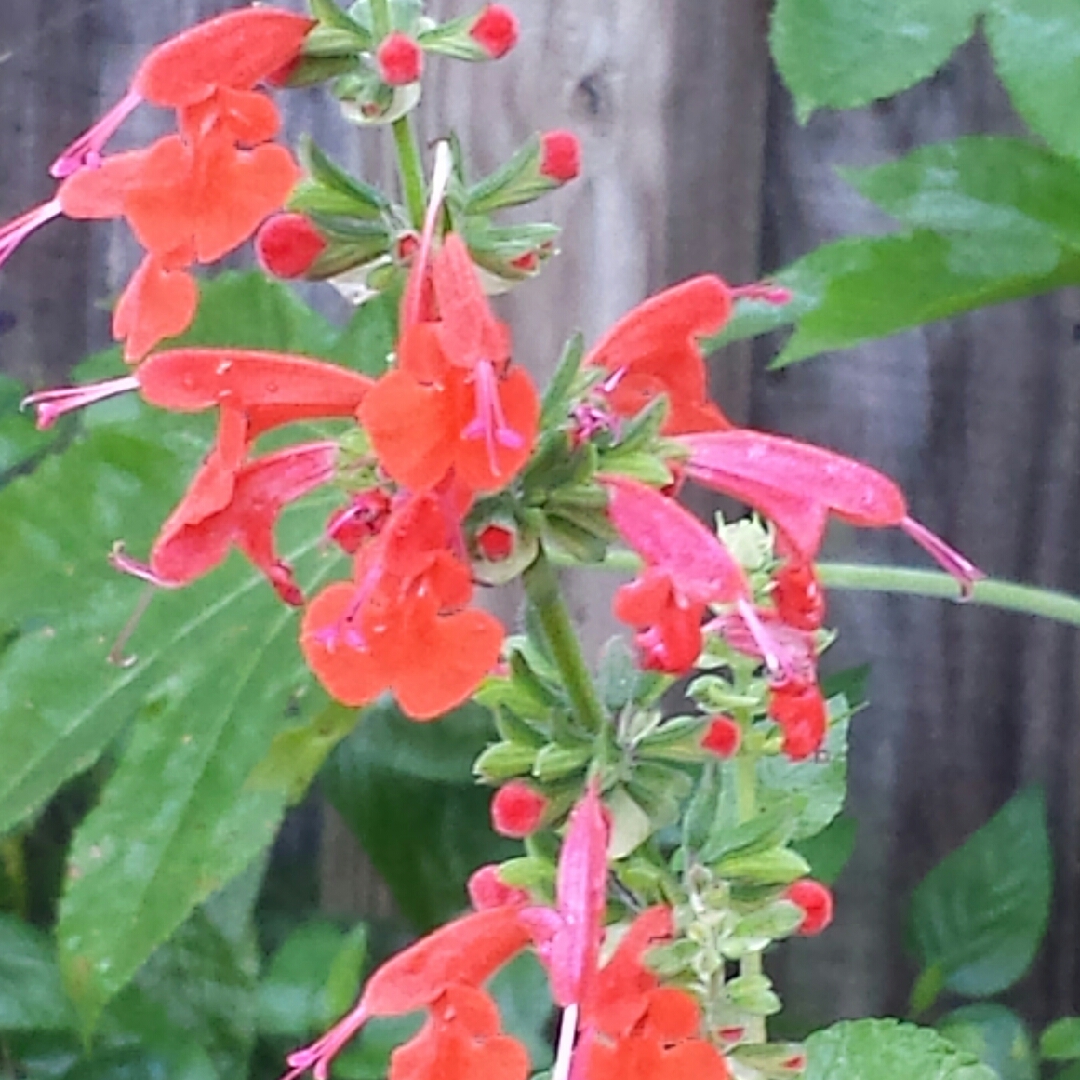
(746, 799)
(545, 595)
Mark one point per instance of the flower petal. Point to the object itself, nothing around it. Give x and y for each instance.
(157, 303)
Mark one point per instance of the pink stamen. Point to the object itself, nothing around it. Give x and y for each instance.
(121, 560)
(490, 422)
(347, 629)
(767, 293)
(52, 404)
(415, 290)
(85, 151)
(16, 231)
(318, 1056)
(770, 650)
(948, 558)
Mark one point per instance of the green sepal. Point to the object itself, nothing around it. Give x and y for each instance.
(574, 542)
(452, 39)
(503, 761)
(753, 994)
(365, 201)
(770, 828)
(677, 740)
(778, 866)
(313, 70)
(329, 14)
(332, 43)
(513, 729)
(557, 762)
(555, 404)
(528, 872)
(779, 919)
(771, 1061)
(638, 465)
(516, 182)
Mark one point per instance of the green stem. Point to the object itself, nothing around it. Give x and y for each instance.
(411, 169)
(751, 965)
(545, 595)
(989, 592)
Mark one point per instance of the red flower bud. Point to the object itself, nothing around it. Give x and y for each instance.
(287, 245)
(560, 156)
(401, 60)
(526, 263)
(517, 809)
(495, 30)
(495, 542)
(723, 737)
(487, 890)
(798, 597)
(816, 900)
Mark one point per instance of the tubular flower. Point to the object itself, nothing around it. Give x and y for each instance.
(193, 541)
(797, 486)
(687, 568)
(453, 402)
(568, 936)
(430, 974)
(404, 625)
(799, 708)
(654, 350)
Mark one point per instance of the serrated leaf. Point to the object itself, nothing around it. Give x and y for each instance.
(417, 776)
(1061, 1040)
(996, 1036)
(980, 914)
(1035, 45)
(887, 1050)
(841, 54)
(979, 184)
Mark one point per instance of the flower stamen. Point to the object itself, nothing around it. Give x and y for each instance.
(490, 423)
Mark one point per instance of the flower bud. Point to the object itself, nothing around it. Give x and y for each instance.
(288, 244)
(722, 737)
(495, 30)
(802, 714)
(560, 156)
(495, 542)
(816, 900)
(488, 890)
(400, 59)
(517, 809)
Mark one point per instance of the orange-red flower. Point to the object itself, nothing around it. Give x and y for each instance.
(437, 973)
(404, 625)
(453, 401)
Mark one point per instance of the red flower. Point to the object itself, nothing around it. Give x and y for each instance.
(405, 625)
(400, 58)
(495, 30)
(817, 903)
(687, 568)
(560, 156)
(798, 596)
(463, 954)
(517, 809)
(799, 708)
(654, 350)
(453, 402)
(196, 538)
(487, 890)
(797, 486)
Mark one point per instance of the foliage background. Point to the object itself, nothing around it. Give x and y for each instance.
(695, 161)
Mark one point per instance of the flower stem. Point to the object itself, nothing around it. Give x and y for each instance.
(750, 966)
(411, 169)
(545, 595)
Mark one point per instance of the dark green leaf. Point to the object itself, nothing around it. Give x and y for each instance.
(367, 341)
(887, 1050)
(32, 997)
(996, 1036)
(980, 914)
(1035, 45)
(844, 53)
(828, 851)
(406, 791)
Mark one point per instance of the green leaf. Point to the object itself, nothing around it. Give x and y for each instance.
(316, 967)
(20, 441)
(1035, 45)
(887, 1050)
(828, 851)
(368, 339)
(815, 790)
(980, 914)
(841, 54)
(876, 287)
(1061, 1040)
(996, 1036)
(32, 996)
(979, 184)
(406, 791)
